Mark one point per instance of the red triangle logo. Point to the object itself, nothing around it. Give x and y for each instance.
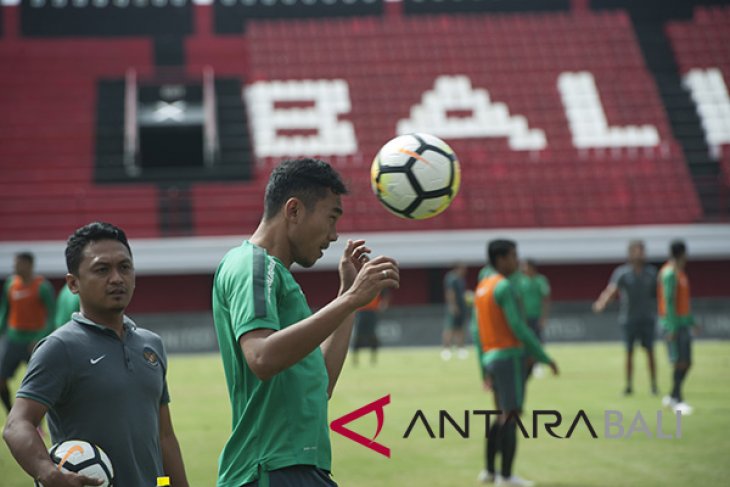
(338, 425)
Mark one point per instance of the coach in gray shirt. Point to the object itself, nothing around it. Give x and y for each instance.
(99, 377)
(636, 283)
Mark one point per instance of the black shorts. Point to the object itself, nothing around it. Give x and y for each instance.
(294, 476)
(455, 321)
(680, 346)
(365, 325)
(11, 355)
(643, 331)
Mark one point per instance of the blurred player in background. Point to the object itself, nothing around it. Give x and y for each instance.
(534, 289)
(100, 378)
(26, 313)
(635, 283)
(281, 361)
(506, 342)
(456, 312)
(67, 303)
(366, 324)
(676, 320)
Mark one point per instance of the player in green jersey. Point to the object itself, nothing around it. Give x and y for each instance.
(281, 361)
(67, 303)
(534, 289)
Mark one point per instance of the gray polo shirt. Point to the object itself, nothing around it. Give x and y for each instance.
(637, 293)
(104, 390)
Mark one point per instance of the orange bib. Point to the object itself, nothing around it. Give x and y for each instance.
(27, 310)
(494, 331)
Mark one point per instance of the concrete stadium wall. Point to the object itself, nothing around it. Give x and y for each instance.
(422, 325)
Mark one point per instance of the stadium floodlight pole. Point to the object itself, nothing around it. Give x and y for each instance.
(131, 132)
(210, 121)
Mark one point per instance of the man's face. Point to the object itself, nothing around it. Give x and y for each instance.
(23, 267)
(527, 269)
(636, 254)
(509, 263)
(315, 230)
(105, 280)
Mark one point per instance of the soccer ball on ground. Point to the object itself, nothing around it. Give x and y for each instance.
(415, 176)
(83, 458)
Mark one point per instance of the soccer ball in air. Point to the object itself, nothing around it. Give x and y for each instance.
(83, 458)
(415, 176)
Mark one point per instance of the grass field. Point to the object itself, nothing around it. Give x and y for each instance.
(417, 379)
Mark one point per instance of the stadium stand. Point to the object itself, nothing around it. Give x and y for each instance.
(561, 122)
(701, 47)
(563, 113)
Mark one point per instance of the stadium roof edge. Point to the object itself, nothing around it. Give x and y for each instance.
(200, 255)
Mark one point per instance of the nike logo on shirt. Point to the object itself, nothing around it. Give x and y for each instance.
(95, 361)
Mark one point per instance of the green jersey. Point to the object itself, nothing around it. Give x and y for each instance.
(67, 303)
(282, 421)
(533, 291)
(485, 271)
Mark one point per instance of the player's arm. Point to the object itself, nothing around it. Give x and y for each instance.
(30, 452)
(172, 461)
(669, 297)
(545, 288)
(606, 296)
(269, 351)
(334, 347)
(506, 300)
(384, 303)
(477, 339)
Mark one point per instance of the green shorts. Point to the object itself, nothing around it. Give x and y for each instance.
(508, 382)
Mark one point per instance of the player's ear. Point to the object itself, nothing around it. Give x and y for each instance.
(73, 283)
(293, 209)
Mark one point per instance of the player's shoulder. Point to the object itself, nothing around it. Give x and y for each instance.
(667, 270)
(623, 269)
(69, 332)
(61, 340)
(246, 257)
(502, 284)
(148, 335)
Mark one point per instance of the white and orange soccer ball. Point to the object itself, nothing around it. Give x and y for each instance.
(83, 458)
(415, 176)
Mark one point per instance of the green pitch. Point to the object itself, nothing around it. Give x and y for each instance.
(591, 380)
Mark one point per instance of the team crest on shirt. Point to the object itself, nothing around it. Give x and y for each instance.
(150, 357)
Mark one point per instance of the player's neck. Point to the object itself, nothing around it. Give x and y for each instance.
(27, 279)
(271, 235)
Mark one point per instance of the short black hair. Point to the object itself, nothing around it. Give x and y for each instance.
(677, 249)
(499, 248)
(306, 179)
(26, 256)
(636, 243)
(92, 232)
